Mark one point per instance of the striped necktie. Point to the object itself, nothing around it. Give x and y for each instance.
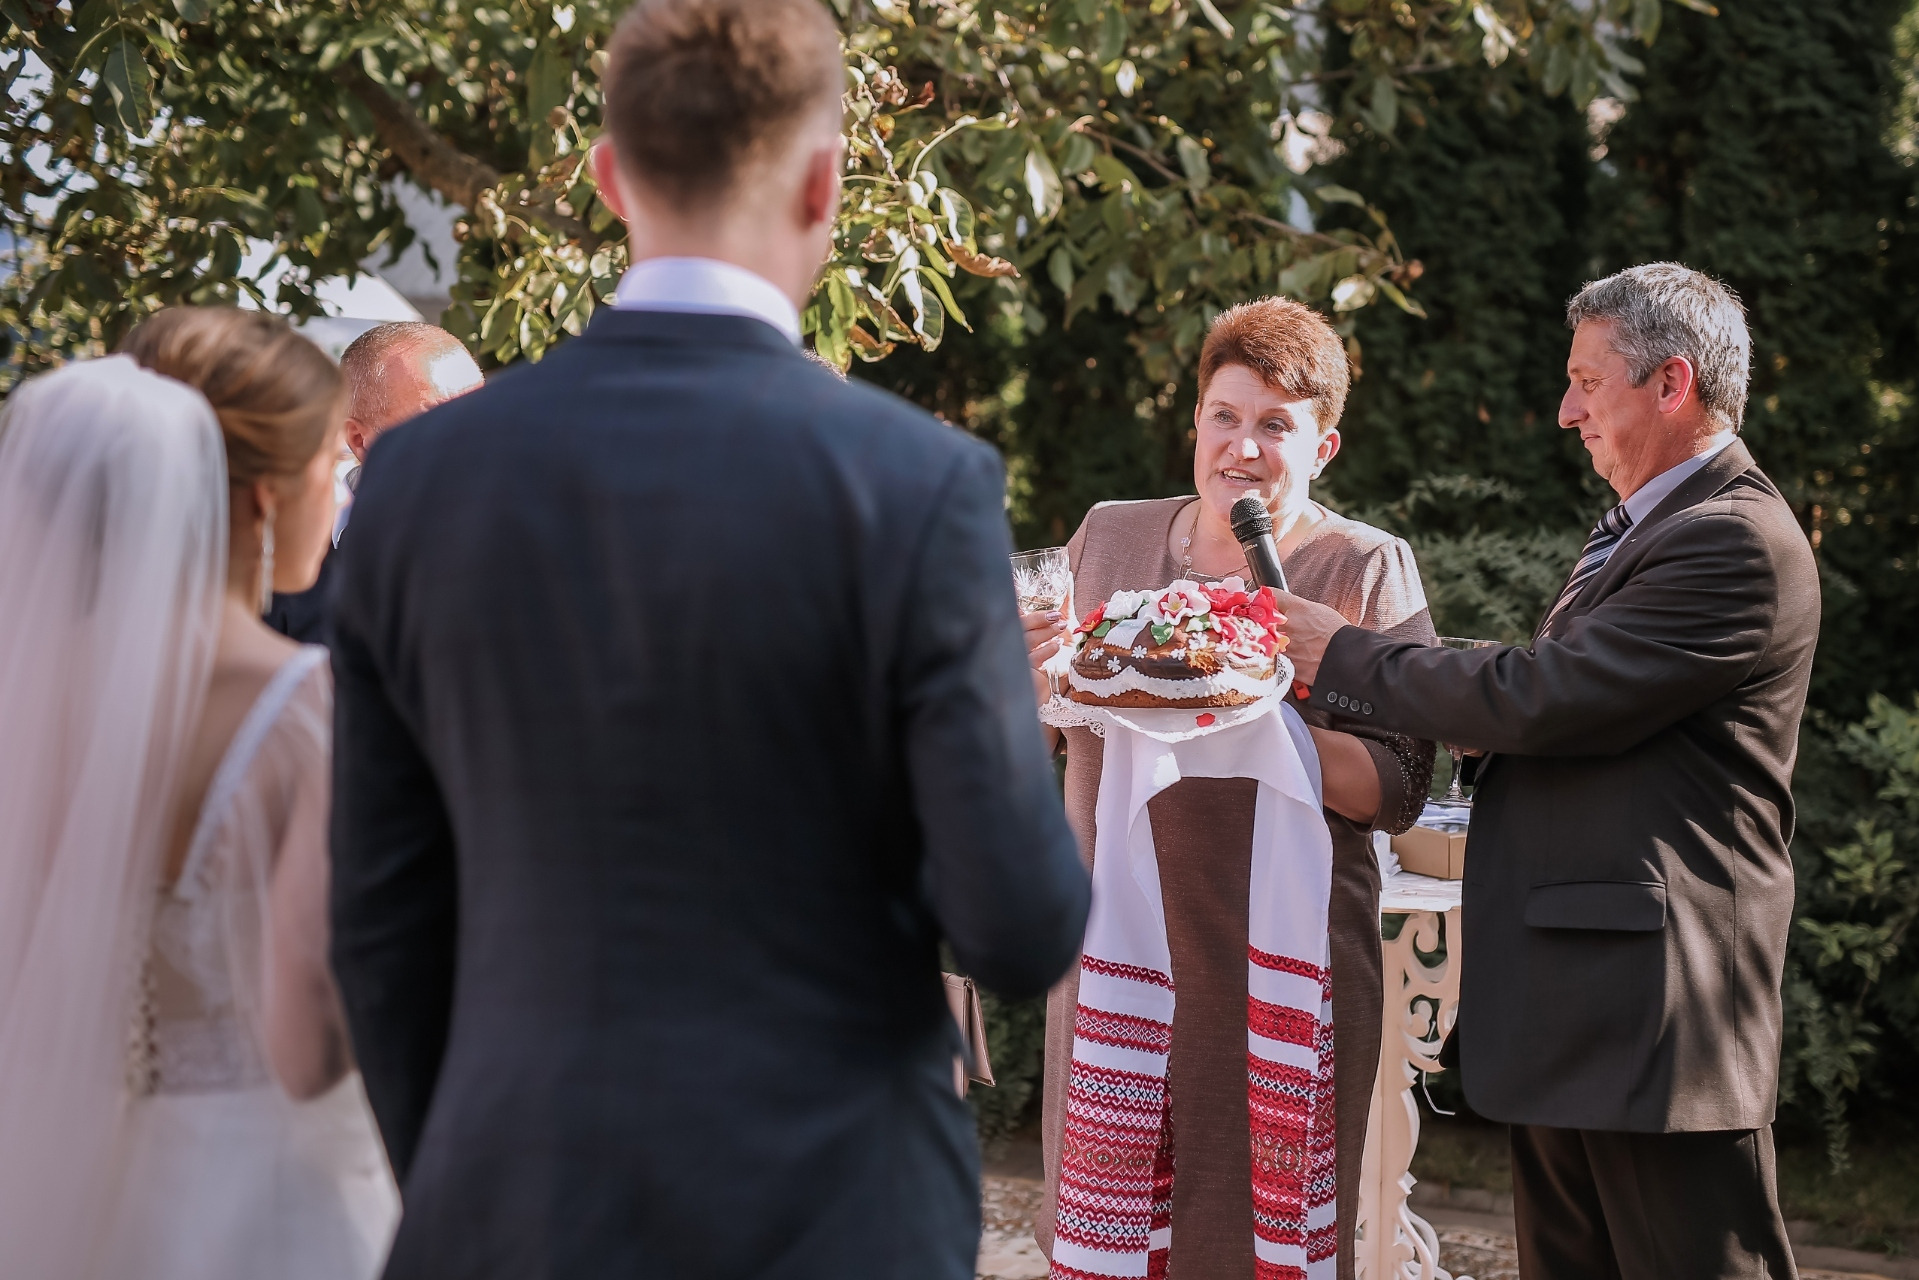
(1599, 548)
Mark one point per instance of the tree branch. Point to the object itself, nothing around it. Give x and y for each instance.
(1080, 126)
(443, 167)
(428, 157)
(1290, 231)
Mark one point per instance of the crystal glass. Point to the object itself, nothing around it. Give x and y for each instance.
(1454, 794)
(1042, 579)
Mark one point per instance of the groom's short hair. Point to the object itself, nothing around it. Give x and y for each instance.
(696, 90)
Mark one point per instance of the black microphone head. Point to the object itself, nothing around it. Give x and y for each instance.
(1250, 519)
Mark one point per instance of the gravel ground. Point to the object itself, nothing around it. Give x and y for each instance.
(1483, 1255)
(1007, 1251)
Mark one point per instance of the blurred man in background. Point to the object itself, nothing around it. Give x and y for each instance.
(393, 372)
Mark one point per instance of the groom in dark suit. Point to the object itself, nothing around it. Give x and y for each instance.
(682, 713)
(1628, 890)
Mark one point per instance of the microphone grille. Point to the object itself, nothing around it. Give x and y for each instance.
(1250, 519)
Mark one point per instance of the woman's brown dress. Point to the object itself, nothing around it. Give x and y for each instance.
(1202, 832)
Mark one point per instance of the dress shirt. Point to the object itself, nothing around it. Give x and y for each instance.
(706, 285)
(1654, 491)
(346, 478)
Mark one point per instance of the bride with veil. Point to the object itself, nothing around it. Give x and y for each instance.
(178, 1097)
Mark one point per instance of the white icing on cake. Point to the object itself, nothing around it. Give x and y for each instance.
(1229, 680)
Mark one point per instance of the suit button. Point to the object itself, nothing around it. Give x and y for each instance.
(1366, 708)
(1344, 701)
(1331, 696)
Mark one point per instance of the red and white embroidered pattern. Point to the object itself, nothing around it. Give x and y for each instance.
(1117, 1166)
(1289, 1076)
(1116, 1155)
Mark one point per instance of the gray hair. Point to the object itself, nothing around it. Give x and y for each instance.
(1661, 310)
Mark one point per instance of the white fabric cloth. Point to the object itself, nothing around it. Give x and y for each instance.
(1118, 1164)
(706, 285)
(1654, 491)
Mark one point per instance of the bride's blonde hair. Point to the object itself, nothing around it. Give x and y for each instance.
(275, 393)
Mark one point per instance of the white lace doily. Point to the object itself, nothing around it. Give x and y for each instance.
(1166, 724)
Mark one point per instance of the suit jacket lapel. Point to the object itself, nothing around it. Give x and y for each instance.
(1734, 460)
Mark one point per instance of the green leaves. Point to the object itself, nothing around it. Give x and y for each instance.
(1645, 19)
(897, 215)
(1192, 159)
(1043, 191)
(130, 88)
(1112, 33)
(1059, 269)
(1218, 20)
(1383, 108)
(1124, 288)
(1036, 160)
(1352, 293)
(1859, 900)
(1309, 277)
(549, 86)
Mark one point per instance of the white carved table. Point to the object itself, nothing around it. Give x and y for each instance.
(1422, 999)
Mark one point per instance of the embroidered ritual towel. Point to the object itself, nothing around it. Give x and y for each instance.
(1117, 1158)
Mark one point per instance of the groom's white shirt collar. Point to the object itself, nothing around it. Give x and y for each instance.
(706, 285)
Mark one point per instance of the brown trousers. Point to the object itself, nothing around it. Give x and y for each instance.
(1598, 1205)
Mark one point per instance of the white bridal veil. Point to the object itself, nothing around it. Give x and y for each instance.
(113, 529)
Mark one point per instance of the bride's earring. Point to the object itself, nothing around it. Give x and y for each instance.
(266, 564)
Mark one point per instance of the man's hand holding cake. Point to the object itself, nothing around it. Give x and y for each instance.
(1310, 627)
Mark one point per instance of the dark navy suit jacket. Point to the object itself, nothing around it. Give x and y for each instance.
(682, 713)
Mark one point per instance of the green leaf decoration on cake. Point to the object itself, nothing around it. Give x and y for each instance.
(1162, 632)
(1099, 632)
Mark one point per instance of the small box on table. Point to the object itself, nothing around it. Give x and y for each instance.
(1427, 852)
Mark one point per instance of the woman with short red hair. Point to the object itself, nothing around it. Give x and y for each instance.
(1273, 378)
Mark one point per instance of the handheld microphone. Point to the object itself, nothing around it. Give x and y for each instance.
(1253, 527)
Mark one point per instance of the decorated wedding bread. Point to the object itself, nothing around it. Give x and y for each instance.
(1185, 645)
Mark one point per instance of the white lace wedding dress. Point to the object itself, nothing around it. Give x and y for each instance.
(225, 1177)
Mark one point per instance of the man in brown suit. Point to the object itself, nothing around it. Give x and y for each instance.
(1628, 890)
